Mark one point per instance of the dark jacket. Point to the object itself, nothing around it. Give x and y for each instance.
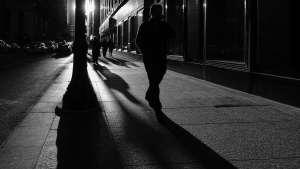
(152, 39)
(96, 45)
(104, 45)
(111, 45)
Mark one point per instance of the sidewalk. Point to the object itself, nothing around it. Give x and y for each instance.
(204, 126)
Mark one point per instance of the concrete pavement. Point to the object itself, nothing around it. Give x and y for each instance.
(204, 126)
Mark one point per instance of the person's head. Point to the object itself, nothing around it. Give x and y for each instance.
(156, 12)
(95, 38)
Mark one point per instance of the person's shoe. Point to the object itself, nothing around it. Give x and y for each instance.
(150, 102)
(147, 97)
(159, 115)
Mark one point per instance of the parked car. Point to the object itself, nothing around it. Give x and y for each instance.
(64, 48)
(15, 47)
(37, 48)
(50, 46)
(26, 47)
(4, 47)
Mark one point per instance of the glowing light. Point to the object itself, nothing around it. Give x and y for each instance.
(89, 7)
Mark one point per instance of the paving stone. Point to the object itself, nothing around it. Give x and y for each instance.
(59, 86)
(164, 166)
(149, 145)
(44, 108)
(28, 136)
(38, 119)
(55, 123)
(292, 163)
(91, 148)
(208, 115)
(54, 93)
(246, 141)
(51, 99)
(19, 157)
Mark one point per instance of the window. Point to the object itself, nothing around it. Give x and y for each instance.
(133, 32)
(225, 30)
(20, 20)
(274, 33)
(139, 21)
(175, 17)
(125, 36)
(194, 50)
(7, 20)
(120, 36)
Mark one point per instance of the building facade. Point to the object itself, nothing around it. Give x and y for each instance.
(32, 20)
(242, 44)
(71, 19)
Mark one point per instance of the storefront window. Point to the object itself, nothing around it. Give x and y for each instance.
(120, 35)
(133, 31)
(274, 34)
(125, 36)
(225, 34)
(174, 14)
(194, 52)
(139, 21)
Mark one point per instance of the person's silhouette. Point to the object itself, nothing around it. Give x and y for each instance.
(104, 47)
(111, 47)
(151, 39)
(95, 49)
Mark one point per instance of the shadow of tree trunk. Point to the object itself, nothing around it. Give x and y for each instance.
(84, 141)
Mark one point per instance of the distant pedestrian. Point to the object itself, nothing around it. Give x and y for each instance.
(111, 47)
(104, 45)
(151, 39)
(96, 45)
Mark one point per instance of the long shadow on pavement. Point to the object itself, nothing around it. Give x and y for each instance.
(121, 62)
(84, 141)
(142, 135)
(118, 83)
(141, 141)
(209, 158)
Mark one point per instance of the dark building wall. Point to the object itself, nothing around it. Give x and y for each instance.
(97, 18)
(2, 18)
(33, 20)
(245, 45)
(275, 73)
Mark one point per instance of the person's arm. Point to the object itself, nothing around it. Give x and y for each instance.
(168, 31)
(140, 37)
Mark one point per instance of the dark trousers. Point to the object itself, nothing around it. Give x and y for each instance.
(110, 52)
(156, 69)
(95, 55)
(104, 51)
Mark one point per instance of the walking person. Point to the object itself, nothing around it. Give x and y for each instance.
(111, 47)
(104, 47)
(96, 45)
(151, 39)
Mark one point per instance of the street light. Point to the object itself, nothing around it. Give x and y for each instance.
(89, 7)
(80, 96)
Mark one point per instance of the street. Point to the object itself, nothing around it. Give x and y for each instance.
(23, 80)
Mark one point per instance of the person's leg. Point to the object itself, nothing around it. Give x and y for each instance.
(154, 89)
(155, 76)
(104, 52)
